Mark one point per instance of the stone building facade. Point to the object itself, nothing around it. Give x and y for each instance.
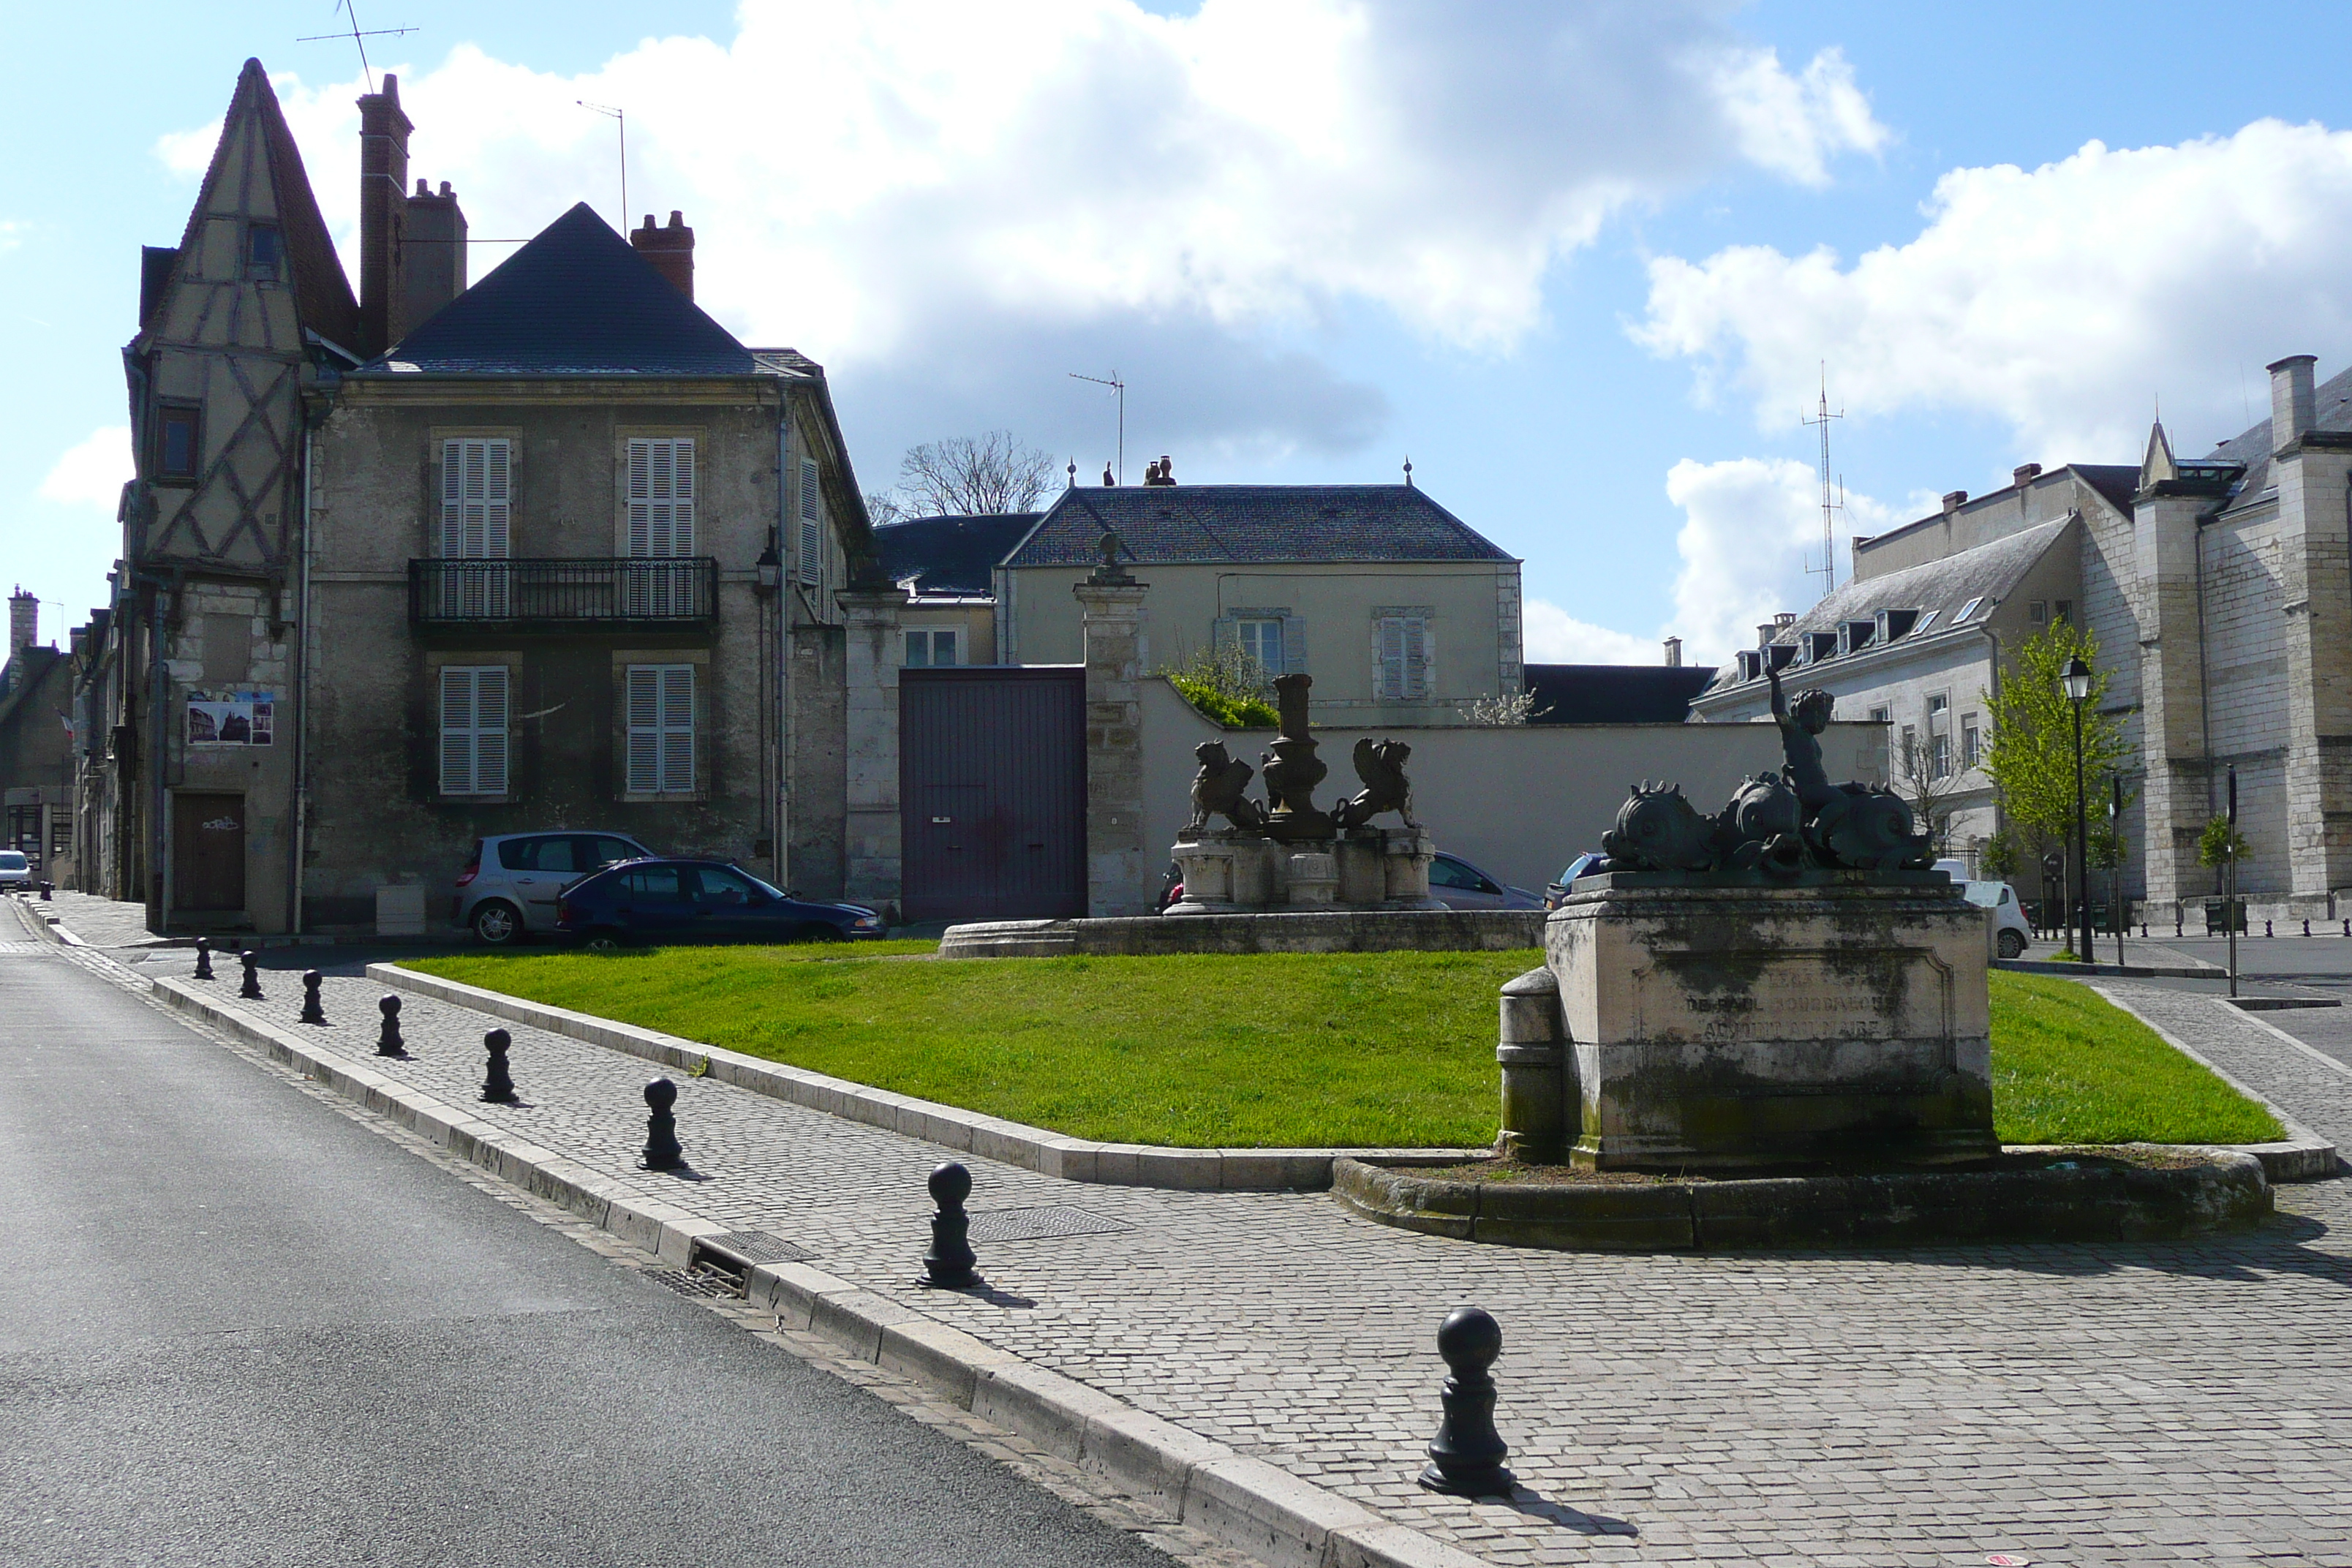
(2219, 592)
(438, 561)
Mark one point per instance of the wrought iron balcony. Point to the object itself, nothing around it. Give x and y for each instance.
(584, 592)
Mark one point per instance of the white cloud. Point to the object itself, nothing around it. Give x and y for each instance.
(2062, 301)
(91, 472)
(956, 198)
(1555, 636)
(11, 234)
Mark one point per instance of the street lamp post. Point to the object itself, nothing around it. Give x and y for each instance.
(2115, 843)
(2075, 683)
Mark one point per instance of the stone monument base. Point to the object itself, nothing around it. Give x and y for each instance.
(1711, 1027)
(1226, 871)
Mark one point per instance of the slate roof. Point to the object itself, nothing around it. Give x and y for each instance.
(1989, 573)
(2118, 482)
(949, 555)
(1177, 524)
(1615, 693)
(577, 300)
(2332, 403)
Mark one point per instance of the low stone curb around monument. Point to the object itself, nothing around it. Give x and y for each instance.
(2226, 1191)
(1245, 1503)
(969, 1132)
(1279, 930)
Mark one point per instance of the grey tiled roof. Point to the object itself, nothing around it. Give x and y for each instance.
(1988, 572)
(576, 300)
(950, 555)
(1214, 523)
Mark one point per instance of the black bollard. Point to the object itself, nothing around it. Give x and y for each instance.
(251, 989)
(1466, 1457)
(388, 1042)
(2306, 928)
(311, 1012)
(2266, 929)
(2176, 923)
(948, 1264)
(662, 1151)
(44, 891)
(204, 958)
(498, 1088)
(2143, 930)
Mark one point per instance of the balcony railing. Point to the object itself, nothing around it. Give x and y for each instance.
(610, 590)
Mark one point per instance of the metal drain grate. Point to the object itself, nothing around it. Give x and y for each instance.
(1038, 1223)
(759, 1247)
(699, 1284)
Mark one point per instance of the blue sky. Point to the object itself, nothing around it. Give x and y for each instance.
(1581, 263)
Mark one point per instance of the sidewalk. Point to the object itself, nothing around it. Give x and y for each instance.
(2115, 1405)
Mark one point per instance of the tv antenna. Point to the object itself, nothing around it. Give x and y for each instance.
(358, 35)
(1119, 387)
(1828, 568)
(609, 112)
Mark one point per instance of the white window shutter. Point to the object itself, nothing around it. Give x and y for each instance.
(491, 731)
(643, 697)
(1294, 645)
(681, 536)
(457, 732)
(1417, 660)
(640, 502)
(497, 497)
(1391, 658)
(677, 729)
(452, 501)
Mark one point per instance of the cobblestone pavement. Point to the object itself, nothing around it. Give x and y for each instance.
(2111, 1404)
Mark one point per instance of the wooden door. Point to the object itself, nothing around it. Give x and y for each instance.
(993, 792)
(208, 852)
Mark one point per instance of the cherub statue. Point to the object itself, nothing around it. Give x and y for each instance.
(1217, 790)
(1381, 764)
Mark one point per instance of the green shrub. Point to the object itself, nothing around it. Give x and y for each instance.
(1225, 708)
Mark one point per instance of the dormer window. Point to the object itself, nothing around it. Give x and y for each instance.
(1967, 609)
(264, 253)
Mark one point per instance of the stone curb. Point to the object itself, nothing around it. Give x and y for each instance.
(992, 1138)
(2106, 970)
(1902, 1209)
(2303, 1155)
(1245, 1503)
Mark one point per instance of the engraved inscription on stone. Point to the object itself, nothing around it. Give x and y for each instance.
(1802, 994)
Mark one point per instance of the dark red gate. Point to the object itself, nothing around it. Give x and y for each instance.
(993, 792)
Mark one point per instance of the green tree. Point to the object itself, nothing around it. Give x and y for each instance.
(1999, 857)
(2031, 760)
(2213, 844)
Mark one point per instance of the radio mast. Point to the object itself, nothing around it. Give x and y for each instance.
(1830, 509)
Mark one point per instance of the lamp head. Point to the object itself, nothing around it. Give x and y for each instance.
(2075, 679)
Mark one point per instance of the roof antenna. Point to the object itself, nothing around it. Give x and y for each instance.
(614, 114)
(1119, 387)
(1408, 473)
(1828, 568)
(356, 36)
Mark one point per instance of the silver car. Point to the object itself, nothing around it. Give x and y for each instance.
(1459, 884)
(510, 885)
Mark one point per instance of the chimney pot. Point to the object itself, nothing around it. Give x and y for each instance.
(2025, 474)
(1953, 500)
(2293, 410)
(446, 190)
(1673, 653)
(671, 251)
(24, 620)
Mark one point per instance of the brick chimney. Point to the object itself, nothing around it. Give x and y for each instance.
(434, 260)
(1954, 501)
(671, 251)
(384, 211)
(2293, 409)
(24, 620)
(2024, 474)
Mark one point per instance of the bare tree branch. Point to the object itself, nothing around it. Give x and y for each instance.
(882, 508)
(969, 474)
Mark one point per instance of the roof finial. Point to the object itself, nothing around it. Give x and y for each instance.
(1074, 473)
(1408, 473)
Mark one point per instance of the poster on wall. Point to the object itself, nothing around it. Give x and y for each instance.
(231, 719)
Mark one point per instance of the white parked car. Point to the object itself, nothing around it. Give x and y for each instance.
(2009, 930)
(509, 888)
(15, 870)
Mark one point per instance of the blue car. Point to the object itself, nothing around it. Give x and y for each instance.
(663, 902)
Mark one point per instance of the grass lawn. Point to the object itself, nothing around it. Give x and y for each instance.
(1293, 1049)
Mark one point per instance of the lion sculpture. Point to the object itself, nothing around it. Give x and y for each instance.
(1217, 790)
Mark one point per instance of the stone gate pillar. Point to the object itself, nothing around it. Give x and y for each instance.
(875, 651)
(1119, 863)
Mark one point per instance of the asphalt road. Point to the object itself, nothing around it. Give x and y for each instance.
(237, 1327)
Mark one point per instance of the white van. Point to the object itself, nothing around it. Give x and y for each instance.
(16, 871)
